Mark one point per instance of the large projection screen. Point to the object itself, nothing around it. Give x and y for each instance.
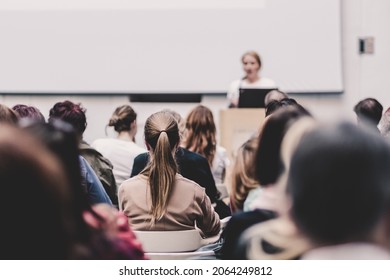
(166, 46)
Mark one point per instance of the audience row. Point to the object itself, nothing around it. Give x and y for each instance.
(300, 189)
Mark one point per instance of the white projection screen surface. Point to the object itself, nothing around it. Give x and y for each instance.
(161, 46)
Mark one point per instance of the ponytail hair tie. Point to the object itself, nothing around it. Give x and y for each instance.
(163, 131)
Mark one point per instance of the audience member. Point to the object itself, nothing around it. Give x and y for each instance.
(61, 139)
(279, 238)
(252, 64)
(75, 115)
(33, 179)
(200, 138)
(274, 94)
(243, 174)
(340, 198)
(54, 227)
(268, 160)
(121, 150)
(192, 166)
(159, 198)
(368, 112)
(265, 202)
(28, 112)
(109, 234)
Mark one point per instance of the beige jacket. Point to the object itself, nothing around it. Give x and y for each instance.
(188, 205)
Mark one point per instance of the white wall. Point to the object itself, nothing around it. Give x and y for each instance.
(364, 76)
(121, 46)
(367, 75)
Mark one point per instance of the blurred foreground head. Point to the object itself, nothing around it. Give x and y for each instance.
(35, 191)
(339, 183)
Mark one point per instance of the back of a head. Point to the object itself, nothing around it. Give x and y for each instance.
(276, 95)
(158, 123)
(7, 115)
(29, 112)
(35, 209)
(338, 182)
(201, 132)
(369, 110)
(276, 105)
(71, 113)
(162, 137)
(200, 120)
(122, 118)
(268, 161)
(293, 136)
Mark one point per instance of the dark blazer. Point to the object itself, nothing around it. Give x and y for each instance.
(195, 167)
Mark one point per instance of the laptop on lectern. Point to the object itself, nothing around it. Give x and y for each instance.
(253, 97)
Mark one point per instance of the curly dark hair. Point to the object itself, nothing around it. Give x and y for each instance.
(71, 113)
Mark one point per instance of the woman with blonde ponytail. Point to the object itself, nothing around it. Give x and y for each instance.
(159, 198)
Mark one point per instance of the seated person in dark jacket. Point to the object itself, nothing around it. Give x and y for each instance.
(191, 166)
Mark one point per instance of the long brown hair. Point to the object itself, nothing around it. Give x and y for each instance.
(243, 177)
(162, 135)
(201, 133)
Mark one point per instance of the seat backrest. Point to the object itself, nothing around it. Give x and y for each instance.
(170, 241)
(209, 254)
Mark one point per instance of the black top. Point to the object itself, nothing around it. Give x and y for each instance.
(192, 166)
(237, 224)
(252, 97)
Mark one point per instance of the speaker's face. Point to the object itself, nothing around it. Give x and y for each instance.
(250, 65)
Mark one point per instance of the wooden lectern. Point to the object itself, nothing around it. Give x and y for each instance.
(237, 125)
